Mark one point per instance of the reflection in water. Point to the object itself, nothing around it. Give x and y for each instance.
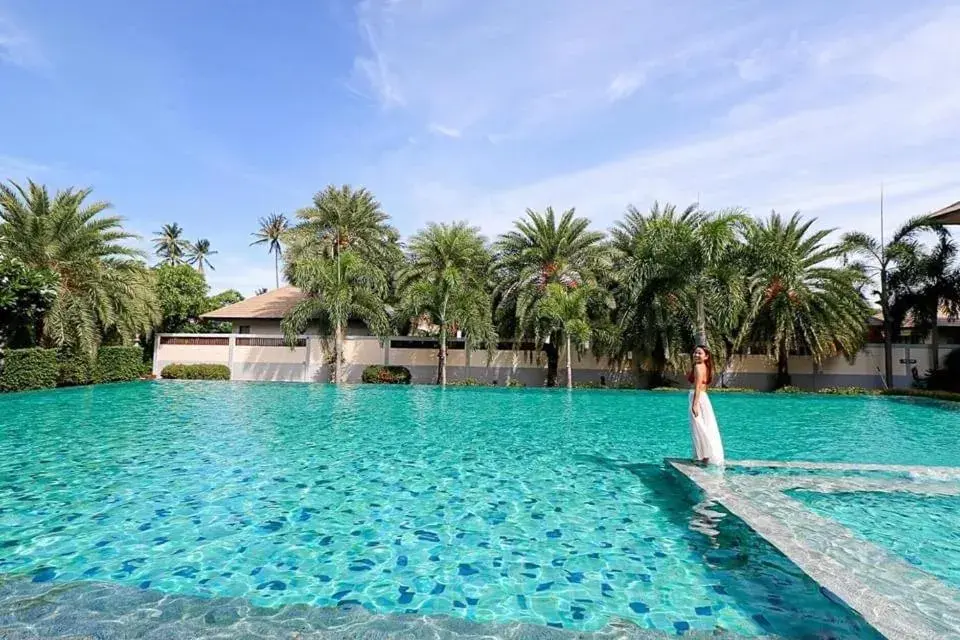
(706, 520)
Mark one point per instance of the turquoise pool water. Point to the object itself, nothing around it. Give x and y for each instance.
(923, 529)
(494, 505)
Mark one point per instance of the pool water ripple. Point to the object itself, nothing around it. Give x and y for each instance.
(498, 506)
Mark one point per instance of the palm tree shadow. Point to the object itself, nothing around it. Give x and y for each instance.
(738, 563)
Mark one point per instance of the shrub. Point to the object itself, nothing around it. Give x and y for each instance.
(118, 364)
(29, 369)
(76, 368)
(466, 382)
(946, 396)
(514, 383)
(386, 374)
(847, 391)
(731, 390)
(196, 372)
(790, 389)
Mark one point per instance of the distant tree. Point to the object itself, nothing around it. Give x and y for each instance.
(445, 280)
(802, 296)
(566, 312)
(880, 263)
(103, 286)
(199, 253)
(271, 232)
(170, 245)
(336, 290)
(540, 250)
(182, 292)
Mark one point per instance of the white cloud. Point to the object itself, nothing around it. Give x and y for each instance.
(844, 106)
(19, 48)
(449, 132)
(624, 85)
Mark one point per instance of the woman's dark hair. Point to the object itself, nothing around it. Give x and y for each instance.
(708, 363)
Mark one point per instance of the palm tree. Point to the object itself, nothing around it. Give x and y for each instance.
(881, 259)
(445, 279)
(199, 254)
(103, 286)
(541, 250)
(926, 284)
(799, 299)
(271, 232)
(337, 289)
(342, 219)
(652, 276)
(567, 313)
(169, 244)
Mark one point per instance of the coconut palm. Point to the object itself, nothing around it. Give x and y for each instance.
(540, 250)
(337, 289)
(103, 286)
(567, 312)
(341, 219)
(925, 285)
(445, 280)
(199, 254)
(271, 232)
(170, 245)
(880, 261)
(803, 297)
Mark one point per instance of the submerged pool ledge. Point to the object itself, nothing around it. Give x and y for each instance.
(896, 599)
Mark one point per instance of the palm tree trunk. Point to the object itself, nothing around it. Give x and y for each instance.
(783, 365)
(442, 358)
(635, 365)
(276, 267)
(701, 322)
(553, 361)
(935, 340)
(887, 331)
(338, 354)
(569, 367)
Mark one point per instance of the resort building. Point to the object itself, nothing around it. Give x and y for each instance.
(950, 214)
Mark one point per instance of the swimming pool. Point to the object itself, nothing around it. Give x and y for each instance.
(545, 507)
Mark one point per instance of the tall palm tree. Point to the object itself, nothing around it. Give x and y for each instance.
(199, 254)
(540, 250)
(271, 232)
(926, 284)
(445, 279)
(170, 245)
(342, 219)
(652, 275)
(567, 313)
(801, 299)
(880, 262)
(103, 285)
(337, 289)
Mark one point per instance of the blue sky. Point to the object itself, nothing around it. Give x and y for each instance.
(212, 114)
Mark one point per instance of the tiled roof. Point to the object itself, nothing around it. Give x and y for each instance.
(950, 214)
(272, 305)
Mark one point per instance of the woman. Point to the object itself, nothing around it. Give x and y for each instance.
(707, 447)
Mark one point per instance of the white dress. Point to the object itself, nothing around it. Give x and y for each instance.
(705, 433)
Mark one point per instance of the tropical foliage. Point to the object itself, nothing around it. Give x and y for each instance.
(170, 245)
(801, 298)
(198, 254)
(445, 281)
(565, 311)
(25, 296)
(103, 287)
(544, 249)
(271, 232)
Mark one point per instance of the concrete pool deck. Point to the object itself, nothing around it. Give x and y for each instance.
(894, 597)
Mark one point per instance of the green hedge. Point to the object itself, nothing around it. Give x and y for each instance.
(384, 374)
(946, 396)
(118, 364)
(76, 368)
(29, 369)
(196, 372)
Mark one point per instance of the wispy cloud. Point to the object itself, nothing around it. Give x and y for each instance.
(813, 112)
(449, 132)
(18, 47)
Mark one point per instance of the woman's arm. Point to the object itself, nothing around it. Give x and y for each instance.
(698, 374)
